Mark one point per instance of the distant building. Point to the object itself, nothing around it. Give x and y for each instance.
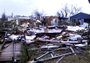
(19, 19)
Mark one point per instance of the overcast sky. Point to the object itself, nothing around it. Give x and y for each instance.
(48, 7)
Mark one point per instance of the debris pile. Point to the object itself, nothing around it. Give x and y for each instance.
(69, 39)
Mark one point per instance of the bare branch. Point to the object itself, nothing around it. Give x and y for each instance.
(74, 10)
(68, 11)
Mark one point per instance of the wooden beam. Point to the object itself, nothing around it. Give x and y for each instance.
(56, 56)
(59, 59)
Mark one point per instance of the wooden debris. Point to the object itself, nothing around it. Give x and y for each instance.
(72, 50)
(43, 55)
(60, 59)
(56, 56)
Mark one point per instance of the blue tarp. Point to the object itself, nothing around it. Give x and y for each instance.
(80, 16)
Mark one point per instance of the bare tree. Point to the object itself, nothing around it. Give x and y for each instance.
(38, 15)
(68, 11)
(74, 10)
(3, 18)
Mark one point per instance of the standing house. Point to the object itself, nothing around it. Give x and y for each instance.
(82, 17)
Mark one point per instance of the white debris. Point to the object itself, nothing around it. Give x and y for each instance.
(49, 46)
(42, 30)
(37, 30)
(38, 21)
(84, 25)
(54, 30)
(75, 28)
(81, 45)
(74, 36)
(14, 37)
(29, 38)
